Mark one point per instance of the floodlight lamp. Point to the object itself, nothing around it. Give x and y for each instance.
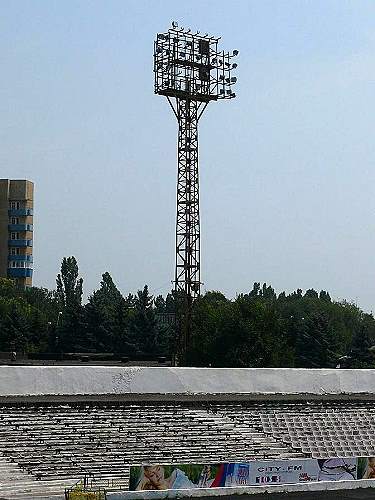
(235, 52)
(233, 79)
(204, 47)
(222, 91)
(193, 61)
(233, 95)
(234, 65)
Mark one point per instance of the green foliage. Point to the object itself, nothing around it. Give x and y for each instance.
(143, 326)
(70, 330)
(256, 329)
(105, 315)
(24, 317)
(261, 329)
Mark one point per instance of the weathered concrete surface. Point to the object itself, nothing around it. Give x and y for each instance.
(114, 383)
(364, 489)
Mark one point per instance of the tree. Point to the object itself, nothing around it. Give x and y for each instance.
(314, 349)
(362, 351)
(143, 325)
(105, 316)
(69, 285)
(71, 331)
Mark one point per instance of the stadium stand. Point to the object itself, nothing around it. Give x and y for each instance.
(60, 424)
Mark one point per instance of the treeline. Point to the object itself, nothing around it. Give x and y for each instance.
(263, 329)
(257, 329)
(38, 320)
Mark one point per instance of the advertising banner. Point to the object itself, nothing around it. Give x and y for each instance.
(278, 471)
(189, 476)
(366, 468)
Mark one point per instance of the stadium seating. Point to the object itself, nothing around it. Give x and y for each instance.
(64, 442)
(59, 424)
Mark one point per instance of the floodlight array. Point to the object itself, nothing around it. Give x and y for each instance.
(190, 66)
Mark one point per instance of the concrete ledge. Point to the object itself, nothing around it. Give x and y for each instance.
(75, 383)
(243, 492)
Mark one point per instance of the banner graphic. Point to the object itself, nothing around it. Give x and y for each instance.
(189, 476)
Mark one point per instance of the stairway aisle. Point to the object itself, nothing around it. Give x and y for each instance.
(18, 484)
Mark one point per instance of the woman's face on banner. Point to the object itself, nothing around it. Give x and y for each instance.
(155, 474)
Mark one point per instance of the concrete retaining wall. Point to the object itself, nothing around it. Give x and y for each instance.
(36, 383)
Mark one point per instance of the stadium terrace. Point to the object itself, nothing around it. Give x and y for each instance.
(150, 432)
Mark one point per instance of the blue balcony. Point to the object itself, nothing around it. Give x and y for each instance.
(20, 243)
(16, 212)
(19, 272)
(24, 258)
(20, 227)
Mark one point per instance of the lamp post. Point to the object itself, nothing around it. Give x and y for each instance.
(58, 323)
(190, 71)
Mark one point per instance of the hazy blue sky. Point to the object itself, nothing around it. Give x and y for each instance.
(287, 168)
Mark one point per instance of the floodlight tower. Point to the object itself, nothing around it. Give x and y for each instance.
(190, 69)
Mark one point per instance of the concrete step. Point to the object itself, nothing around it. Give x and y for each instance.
(18, 484)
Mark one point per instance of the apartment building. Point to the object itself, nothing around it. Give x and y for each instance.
(16, 230)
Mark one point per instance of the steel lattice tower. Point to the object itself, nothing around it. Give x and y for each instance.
(189, 69)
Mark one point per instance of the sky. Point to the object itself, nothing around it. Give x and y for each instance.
(287, 177)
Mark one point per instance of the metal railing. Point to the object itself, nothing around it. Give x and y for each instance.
(84, 490)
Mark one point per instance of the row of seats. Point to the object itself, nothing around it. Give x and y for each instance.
(57, 441)
(51, 441)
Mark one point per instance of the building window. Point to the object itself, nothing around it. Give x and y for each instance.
(22, 263)
(14, 236)
(18, 251)
(13, 263)
(15, 205)
(12, 251)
